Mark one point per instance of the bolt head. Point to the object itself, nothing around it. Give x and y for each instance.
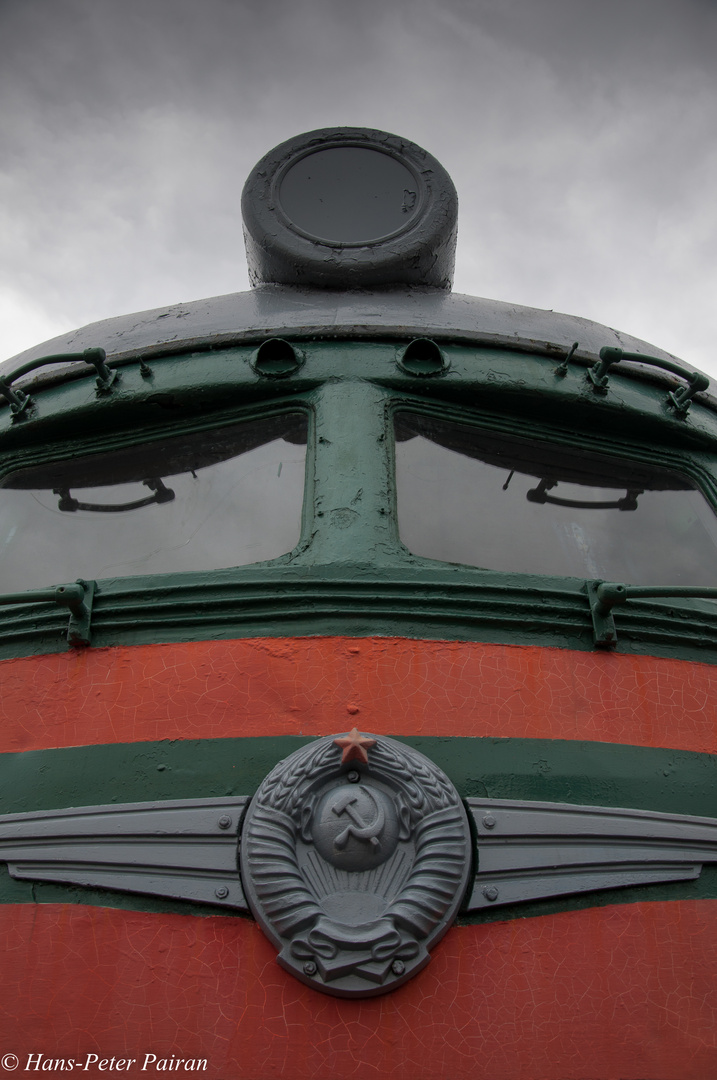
(224, 821)
(398, 967)
(490, 892)
(353, 777)
(222, 892)
(309, 968)
(489, 821)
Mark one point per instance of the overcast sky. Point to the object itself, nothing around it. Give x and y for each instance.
(580, 134)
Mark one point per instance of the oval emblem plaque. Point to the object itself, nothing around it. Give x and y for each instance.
(355, 857)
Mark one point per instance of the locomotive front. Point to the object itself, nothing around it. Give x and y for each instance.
(358, 649)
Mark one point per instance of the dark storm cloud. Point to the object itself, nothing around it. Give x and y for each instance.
(620, 38)
(581, 138)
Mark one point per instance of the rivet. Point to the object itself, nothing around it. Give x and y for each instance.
(490, 892)
(309, 968)
(224, 821)
(353, 777)
(398, 967)
(222, 892)
(489, 821)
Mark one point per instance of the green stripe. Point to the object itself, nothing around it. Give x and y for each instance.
(437, 603)
(602, 774)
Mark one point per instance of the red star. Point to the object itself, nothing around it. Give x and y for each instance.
(354, 747)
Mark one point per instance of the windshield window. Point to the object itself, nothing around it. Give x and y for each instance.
(503, 503)
(208, 500)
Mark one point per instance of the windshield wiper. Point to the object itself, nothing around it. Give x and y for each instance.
(69, 504)
(540, 495)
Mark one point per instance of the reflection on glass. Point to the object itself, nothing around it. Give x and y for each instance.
(212, 499)
(503, 503)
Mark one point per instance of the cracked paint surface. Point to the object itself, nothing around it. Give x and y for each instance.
(618, 993)
(314, 686)
(623, 992)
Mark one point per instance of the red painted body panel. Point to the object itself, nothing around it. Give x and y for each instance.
(619, 993)
(314, 686)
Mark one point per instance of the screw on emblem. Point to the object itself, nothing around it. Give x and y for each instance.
(355, 856)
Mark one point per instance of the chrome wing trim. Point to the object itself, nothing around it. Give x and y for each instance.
(535, 850)
(184, 849)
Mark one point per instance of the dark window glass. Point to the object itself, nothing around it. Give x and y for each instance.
(213, 499)
(482, 499)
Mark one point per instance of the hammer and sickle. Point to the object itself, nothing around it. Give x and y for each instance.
(358, 827)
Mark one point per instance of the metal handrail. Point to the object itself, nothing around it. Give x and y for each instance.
(20, 402)
(605, 595)
(78, 597)
(679, 399)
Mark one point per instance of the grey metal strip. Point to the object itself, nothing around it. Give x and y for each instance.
(532, 850)
(185, 849)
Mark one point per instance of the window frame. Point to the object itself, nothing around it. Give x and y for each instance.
(50, 451)
(675, 460)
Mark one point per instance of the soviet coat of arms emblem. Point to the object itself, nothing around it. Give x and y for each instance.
(355, 856)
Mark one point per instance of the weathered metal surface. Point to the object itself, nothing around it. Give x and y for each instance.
(350, 208)
(300, 313)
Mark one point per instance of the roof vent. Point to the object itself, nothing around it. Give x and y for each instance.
(350, 208)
